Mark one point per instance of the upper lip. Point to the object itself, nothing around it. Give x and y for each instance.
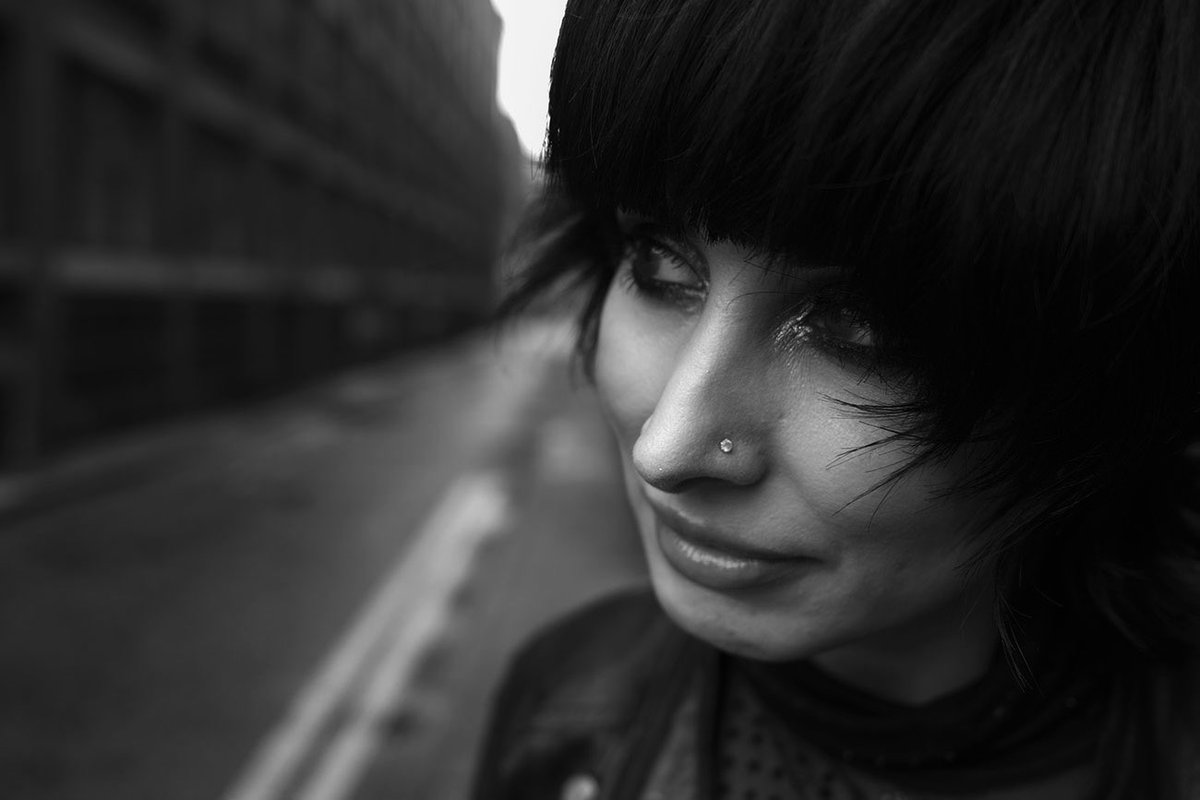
(712, 538)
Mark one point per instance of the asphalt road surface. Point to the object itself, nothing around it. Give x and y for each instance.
(309, 599)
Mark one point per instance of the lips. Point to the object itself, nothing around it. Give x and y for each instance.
(706, 556)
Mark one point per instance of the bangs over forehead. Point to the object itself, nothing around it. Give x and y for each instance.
(659, 108)
(1013, 185)
(870, 131)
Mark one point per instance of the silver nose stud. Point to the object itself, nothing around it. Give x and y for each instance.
(726, 445)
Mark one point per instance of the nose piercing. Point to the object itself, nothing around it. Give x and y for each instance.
(726, 445)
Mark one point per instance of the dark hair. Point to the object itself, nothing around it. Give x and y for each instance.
(1016, 188)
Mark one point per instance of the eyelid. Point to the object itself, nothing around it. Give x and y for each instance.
(678, 243)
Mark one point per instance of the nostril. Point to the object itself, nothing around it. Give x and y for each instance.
(670, 458)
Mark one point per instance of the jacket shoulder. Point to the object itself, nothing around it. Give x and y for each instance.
(572, 694)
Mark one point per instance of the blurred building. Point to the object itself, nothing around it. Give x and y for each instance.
(203, 200)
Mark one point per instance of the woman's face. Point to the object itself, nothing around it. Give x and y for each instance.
(759, 513)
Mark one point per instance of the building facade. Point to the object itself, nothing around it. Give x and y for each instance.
(205, 201)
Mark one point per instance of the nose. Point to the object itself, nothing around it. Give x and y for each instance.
(711, 419)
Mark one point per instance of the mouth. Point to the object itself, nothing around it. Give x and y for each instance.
(707, 557)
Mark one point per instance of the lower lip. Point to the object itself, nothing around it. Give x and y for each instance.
(721, 571)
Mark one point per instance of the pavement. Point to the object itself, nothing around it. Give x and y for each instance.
(311, 598)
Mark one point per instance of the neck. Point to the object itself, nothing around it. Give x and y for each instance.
(922, 662)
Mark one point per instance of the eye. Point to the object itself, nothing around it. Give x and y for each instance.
(842, 325)
(656, 268)
(833, 324)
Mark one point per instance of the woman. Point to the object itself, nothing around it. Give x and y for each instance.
(892, 312)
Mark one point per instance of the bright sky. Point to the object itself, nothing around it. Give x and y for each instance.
(526, 49)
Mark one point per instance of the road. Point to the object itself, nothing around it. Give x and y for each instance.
(307, 599)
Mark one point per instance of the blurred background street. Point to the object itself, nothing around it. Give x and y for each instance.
(163, 616)
(276, 503)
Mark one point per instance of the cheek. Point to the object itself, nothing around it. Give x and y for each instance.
(835, 456)
(632, 365)
(889, 527)
(905, 536)
(827, 454)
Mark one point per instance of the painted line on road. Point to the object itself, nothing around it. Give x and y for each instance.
(369, 669)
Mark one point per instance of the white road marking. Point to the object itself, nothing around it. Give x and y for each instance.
(370, 668)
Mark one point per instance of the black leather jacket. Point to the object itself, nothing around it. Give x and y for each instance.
(585, 707)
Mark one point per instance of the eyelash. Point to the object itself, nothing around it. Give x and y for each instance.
(677, 293)
(798, 331)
